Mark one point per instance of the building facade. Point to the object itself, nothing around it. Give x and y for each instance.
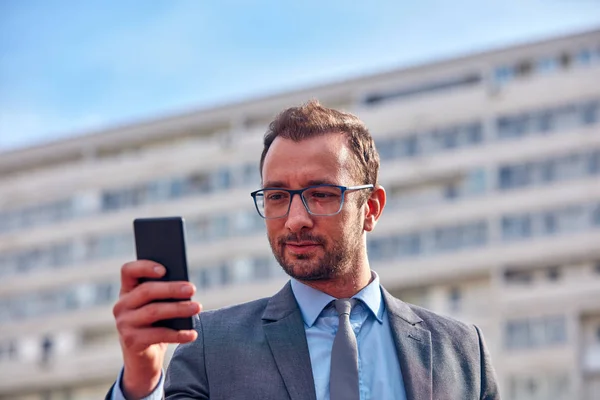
(491, 164)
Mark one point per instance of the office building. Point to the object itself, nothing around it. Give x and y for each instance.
(491, 163)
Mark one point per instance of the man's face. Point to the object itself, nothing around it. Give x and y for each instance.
(311, 247)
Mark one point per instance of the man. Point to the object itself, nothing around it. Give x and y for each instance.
(320, 197)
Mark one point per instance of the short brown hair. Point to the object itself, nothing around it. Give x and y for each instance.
(312, 119)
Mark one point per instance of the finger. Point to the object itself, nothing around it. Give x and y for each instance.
(131, 273)
(151, 291)
(140, 339)
(150, 313)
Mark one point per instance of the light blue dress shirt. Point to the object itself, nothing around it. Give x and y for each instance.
(378, 366)
(379, 371)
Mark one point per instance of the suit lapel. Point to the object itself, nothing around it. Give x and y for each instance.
(284, 330)
(413, 345)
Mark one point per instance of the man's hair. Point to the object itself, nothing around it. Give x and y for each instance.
(312, 120)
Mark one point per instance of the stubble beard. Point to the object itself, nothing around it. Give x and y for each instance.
(339, 257)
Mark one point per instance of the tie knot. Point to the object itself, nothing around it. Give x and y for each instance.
(344, 306)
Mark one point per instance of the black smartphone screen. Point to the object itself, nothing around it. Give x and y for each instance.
(163, 240)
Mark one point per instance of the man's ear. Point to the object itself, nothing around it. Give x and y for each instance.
(374, 207)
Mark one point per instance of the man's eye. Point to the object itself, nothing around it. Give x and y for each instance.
(276, 196)
(323, 195)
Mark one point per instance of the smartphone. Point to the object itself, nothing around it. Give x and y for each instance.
(163, 240)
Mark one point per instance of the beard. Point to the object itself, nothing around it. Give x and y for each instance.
(338, 258)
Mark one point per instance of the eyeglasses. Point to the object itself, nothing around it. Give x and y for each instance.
(319, 200)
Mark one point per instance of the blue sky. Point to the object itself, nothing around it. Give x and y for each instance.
(72, 67)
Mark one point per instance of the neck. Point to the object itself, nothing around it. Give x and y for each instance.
(344, 286)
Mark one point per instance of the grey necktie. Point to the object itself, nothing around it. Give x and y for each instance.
(343, 381)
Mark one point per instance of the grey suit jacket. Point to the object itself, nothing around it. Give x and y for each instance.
(258, 350)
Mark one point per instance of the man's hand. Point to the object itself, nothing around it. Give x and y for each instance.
(143, 345)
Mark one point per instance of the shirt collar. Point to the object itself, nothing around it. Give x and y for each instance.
(312, 301)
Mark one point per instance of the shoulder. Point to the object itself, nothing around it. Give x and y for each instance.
(443, 329)
(443, 324)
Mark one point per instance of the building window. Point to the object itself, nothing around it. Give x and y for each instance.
(512, 126)
(593, 163)
(408, 245)
(455, 299)
(540, 386)
(535, 332)
(518, 277)
(524, 68)
(590, 112)
(584, 57)
(596, 216)
(504, 74)
(547, 65)
(516, 227)
(553, 273)
(515, 176)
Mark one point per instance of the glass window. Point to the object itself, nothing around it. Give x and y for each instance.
(375, 248)
(251, 175)
(590, 112)
(106, 292)
(262, 267)
(596, 215)
(398, 147)
(503, 74)
(516, 227)
(536, 332)
(408, 245)
(549, 224)
(210, 276)
(556, 330)
(219, 226)
(547, 170)
(177, 188)
(454, 299)
(247, 222)
(571, 219)
(566, 117)
(517, 334)
(476, 182)
(226, 274)
(450, 191)
(6, 222)
(62, 254)
(547, 64)
(241, 270)
(109, 201)
(448, 238)
(473, 133)
(593, 162)
(198, 230)
(408, 146)
(196, 183)
(475, 234)
(553, 273)
(518, 277)
(157, 191)
(543, 121)
(512, 126)
(446, 138)
(514, 176)
(386, 149)
(583, 57)
(222, 179)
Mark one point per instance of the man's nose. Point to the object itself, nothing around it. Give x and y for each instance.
(298, 217)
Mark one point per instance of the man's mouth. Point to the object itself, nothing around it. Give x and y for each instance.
(301, 247)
